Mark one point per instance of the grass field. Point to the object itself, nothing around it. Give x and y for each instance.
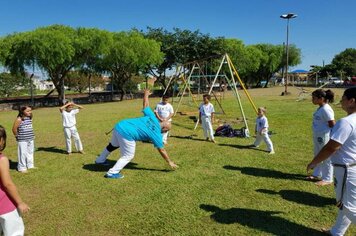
(219, 189)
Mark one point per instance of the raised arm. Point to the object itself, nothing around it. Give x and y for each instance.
(146, 94)
(62, 108)
(76, 105)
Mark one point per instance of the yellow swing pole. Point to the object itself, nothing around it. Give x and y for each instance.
(241, 83)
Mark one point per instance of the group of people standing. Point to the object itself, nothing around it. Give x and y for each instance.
(334, 149)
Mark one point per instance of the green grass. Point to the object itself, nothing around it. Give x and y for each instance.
(219, 189)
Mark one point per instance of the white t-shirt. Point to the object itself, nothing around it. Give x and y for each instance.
(69, 118)
(261, 122)
(164, 110)
(206, 109)
(321, 117)
(344, 132)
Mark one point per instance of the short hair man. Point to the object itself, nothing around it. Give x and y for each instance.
(127, 132)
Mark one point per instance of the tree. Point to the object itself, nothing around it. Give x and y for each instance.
(130, 54)
(272, 60)
(345, 62)
(55, 49)
(10, 84)
(80, 81)
(246, 59)
(181, 46)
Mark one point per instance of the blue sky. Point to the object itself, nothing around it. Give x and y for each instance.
(322, 29)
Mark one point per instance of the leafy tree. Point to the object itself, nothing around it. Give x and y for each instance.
(181, 46)
(80, 81)
(345, 62)
(272, 60)
(129, 54)
(55, 49)
(10, 84)
(246, 59)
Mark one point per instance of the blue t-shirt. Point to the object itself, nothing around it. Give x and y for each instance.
(146, 128)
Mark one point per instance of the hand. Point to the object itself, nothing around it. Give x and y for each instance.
(172, 165)
(147, 92)
(23, 208)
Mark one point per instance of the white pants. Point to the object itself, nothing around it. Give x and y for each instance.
(165, 137)
(325, 170)
(12, 224)
(207, 127)
(68, 134)
(347, 214)
(265, 137)
(25, 151)
(127, 151)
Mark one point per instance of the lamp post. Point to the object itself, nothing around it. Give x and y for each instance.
(287, 17)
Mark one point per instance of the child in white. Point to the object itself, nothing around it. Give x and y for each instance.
(69, 126)
(164, 112)
(323, 121)
(261, 130)
(206, 116)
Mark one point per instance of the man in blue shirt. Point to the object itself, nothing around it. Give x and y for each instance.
(127, 132)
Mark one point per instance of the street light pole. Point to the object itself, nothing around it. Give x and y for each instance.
(287, 16)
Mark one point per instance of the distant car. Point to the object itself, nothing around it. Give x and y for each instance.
(336, 81)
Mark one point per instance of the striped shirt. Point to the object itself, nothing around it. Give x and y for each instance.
(25, 130)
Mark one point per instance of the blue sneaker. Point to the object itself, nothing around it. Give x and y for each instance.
(105, 163)
(114, 176)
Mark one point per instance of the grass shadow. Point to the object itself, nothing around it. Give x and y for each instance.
(266, 221)
(300, 197)
(243, 147)
(190, 137)
(51, 149)
(265, 173)
(131, 166)
(13, 165)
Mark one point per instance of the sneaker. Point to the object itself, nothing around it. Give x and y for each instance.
(271, 152)
(105, 163)
(114, 176)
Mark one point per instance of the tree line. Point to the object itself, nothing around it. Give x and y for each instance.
(78, 57)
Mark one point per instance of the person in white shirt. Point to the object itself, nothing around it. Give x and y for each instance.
(261, 130)
(69, 126)
(323, 121)
(341, 149)
(164, 112)
(206, 116)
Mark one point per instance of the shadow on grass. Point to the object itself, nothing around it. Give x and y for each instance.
(265, 173)
(243, 147)
(190, 137)
(13, 165)
(130, 166)
(51, 149)
(266, 221)
(305, 198)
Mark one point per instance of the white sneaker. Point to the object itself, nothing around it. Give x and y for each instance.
(271, 152)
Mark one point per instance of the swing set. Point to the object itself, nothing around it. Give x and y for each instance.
(199, 77)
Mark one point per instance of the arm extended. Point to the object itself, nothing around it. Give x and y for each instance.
(146, 94)
(165, 156)
(330, 148)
